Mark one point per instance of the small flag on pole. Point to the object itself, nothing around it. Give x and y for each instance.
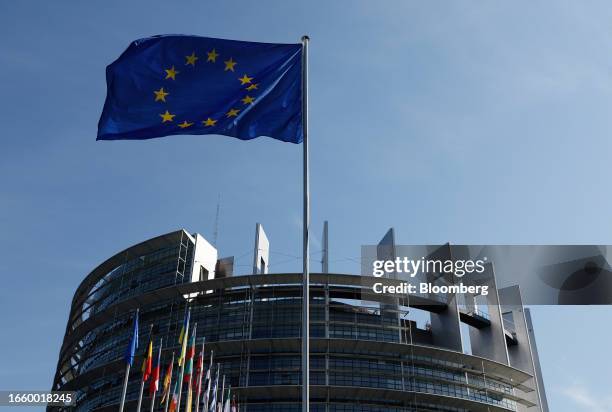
(234, 405)
(154, 385)
(197, 379)
(185, 327)
(189, 369)
(174, 400)
(147, 364)
(206, 398)
(190, 356)
(198, 372)
(227, 406)
(177, 84)
(133, 345)
(130, 352)
(183, 338)
(213, 401)
(222, 392)
(189, 398)
(167, 379)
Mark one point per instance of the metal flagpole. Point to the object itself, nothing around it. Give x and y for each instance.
(129, 364)
(227, 400)
(209, 372)
(169, 397)
(213, 403)
(159, 375)
(199, 387)
(152, 402)
(140, 396)
(222, 392)
(143, 372)
(306, 250)
(184, 355)
(125, 383)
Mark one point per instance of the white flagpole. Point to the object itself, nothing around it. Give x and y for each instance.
(306, 228)
(183, 353)
(159, 376)
(178, 404)
(142, 383)
(226, 407)
(222, 392)
(152, 402)
(127, 367)
(140, 396)
(213, 403)
(125, 383)
(209, 377)
(169, 397)
(199, 387)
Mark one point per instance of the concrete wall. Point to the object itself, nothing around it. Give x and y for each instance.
(536, 362)
(445, 326)
(489, 342)
(204, 256)
(519, 354)
(261, 253)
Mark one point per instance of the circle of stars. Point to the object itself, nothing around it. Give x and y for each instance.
(191, 60)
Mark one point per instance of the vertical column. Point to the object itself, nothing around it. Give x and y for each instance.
(520, 354)
(386, 250)
(445, 326)
(261, 253)
(327, 310)
(325, 257)
(536, 362)
(204, 261)
(489, 342)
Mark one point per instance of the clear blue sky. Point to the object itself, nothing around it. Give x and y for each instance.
(469, 122)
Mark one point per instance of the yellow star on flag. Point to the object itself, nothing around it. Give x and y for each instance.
(171, 73)
(212, 56)
(252, 86)
(229, 64)
(245, 79)
(167, 117)
(209, 122)
(191, 60)
(232, 113)
(160, 95)
(185, 125)
(248, 100)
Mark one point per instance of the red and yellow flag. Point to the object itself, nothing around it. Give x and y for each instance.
(167, 379)
(147, 365)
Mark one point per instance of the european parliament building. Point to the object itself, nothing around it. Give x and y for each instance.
(368, 353)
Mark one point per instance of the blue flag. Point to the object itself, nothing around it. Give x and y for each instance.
(174, 84)
(131, 349)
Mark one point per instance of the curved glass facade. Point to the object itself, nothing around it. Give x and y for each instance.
(366, 356)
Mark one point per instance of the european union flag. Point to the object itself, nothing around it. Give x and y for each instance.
(130, 351)
(174, 84)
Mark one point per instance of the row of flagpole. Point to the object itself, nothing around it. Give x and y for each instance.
(209, 399)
